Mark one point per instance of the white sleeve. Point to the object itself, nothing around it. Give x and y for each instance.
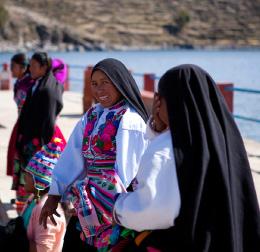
(156, 201)
(130, 146)
(71, 163)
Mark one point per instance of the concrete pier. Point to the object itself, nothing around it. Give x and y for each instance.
(70, 115)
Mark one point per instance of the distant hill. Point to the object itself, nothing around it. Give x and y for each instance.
(129, 24)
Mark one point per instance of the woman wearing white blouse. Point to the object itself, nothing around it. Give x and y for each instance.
(194, 189)
(102, 155)
(155, 202)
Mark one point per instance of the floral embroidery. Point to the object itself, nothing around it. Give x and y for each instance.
(104, 141)
(94, 196)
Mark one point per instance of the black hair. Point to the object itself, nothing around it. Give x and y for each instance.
(20, 59)
(43, 59)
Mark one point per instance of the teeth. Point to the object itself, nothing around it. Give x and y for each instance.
(102, 98)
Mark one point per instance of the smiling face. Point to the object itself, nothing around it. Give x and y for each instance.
(104, 90)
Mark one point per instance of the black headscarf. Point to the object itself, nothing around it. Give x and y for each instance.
(38, 115)
(219, 208)
(124, 82)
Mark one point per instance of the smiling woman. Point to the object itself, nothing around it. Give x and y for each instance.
(103, 90)
(101, 158)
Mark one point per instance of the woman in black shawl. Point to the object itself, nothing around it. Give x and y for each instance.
(219, 209)
(36, 123)
(102, 156)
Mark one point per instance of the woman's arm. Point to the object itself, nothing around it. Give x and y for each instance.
(155, 203)
(130, 144)
(71, 163)
(69, 167)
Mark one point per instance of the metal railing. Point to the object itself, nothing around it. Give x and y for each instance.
(244, 90)
(154, 77)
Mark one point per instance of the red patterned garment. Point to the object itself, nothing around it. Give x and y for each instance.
(21, 88)
(94, 196)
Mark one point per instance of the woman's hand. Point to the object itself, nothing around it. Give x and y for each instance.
(49, 209)
(156, 123)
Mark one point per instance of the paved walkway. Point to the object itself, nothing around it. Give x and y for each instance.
(69, 117)
(71, 113)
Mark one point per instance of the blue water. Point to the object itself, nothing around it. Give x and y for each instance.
(239, 67)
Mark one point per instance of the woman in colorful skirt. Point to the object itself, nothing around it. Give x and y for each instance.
(20, 71)
(102, 155)
(194, 189)
(37, 119)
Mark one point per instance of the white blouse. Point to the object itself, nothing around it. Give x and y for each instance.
(130, 142)
(155, 201)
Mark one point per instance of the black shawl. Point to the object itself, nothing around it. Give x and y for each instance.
(124, 82)
(38, 115)
(219, 208)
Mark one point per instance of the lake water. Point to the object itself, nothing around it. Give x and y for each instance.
(239, 67)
